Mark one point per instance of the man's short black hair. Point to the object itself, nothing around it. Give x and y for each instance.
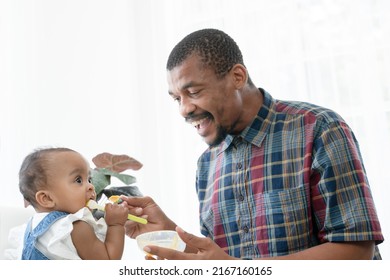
(215, 48)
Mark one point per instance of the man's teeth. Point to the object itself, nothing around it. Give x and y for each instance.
(198, 122)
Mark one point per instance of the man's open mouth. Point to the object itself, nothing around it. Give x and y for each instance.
(197, 124)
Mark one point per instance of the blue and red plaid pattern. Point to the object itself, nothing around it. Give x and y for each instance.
(291, 180)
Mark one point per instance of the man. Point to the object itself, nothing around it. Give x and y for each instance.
(280, 180)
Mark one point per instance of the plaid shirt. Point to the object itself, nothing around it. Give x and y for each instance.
(291, 180)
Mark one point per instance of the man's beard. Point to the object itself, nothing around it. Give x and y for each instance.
(221, 135)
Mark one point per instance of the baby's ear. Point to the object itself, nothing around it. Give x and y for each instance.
(44, 199)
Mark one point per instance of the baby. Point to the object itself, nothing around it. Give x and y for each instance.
(57, 183)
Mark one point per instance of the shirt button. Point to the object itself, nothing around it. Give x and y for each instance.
(239, 165)
(245, 229)
(241, 197)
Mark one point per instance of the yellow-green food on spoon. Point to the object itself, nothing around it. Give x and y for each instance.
(92, 204)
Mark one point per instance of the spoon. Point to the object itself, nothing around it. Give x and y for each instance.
(92, 204)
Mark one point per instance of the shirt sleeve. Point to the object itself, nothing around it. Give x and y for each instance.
(342, 202)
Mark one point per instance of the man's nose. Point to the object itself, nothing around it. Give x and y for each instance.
(186, 107)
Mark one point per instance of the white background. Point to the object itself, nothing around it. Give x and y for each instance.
(199, 270)
(90, 75)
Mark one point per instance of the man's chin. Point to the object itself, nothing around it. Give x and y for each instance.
(216, 140)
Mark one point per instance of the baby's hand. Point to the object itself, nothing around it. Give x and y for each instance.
(115, 214)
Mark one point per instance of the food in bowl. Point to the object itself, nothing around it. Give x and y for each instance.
(163, 238)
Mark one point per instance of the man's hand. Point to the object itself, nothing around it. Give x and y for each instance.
(198, 248)
(148, 209)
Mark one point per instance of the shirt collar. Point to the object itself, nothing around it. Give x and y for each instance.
(258, 129)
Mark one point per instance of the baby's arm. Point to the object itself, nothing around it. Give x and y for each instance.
(89, 247)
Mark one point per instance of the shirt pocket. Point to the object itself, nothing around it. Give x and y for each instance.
(288, 219)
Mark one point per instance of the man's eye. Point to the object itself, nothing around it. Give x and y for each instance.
(193, 93)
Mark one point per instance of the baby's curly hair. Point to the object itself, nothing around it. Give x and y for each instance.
(33, 173)
(216, 49)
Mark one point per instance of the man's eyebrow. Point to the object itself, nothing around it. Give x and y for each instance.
(185, 86)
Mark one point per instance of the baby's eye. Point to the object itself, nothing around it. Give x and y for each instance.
(79, 180)
(90, 180)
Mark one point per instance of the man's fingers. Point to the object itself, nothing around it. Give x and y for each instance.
(133, 208)
(149, 257)
(165, 253)
(192, 240)
(141, 202)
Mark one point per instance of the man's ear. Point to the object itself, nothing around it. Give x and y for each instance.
(240, 75)
(44, 199)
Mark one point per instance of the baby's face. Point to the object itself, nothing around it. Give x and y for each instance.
(69, 181)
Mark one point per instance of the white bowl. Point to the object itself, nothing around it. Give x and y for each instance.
(163, 238)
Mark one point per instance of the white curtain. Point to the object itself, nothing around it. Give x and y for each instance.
(90, 75)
